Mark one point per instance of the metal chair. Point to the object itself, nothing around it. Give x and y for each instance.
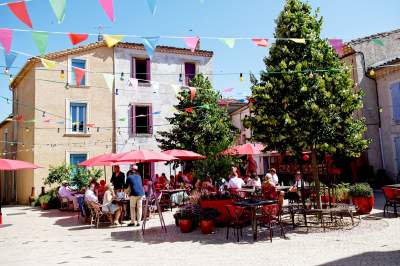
(392, 199)
(270, 218)
(235, 220)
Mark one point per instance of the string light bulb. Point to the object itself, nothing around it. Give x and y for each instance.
(44, 114)
(372, 73)
(62, 76)
(116, 91)
(122, 76)
(311, 75)
(66, 86)
(6, 71)
(241, 77)
(180, 77)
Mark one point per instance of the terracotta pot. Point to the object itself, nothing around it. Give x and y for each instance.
(45, 206)
(207, 226)
(185, 225)
(364, 204)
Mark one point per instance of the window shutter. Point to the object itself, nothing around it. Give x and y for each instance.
(148, 69)
(133, 68)
(150, 119)
(395, 90)
(397, 148)
(133, 119)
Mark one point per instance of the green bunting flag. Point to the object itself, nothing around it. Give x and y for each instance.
(230, 42)
(378, 42)
(40, 39)
(59, 7)
(109, 79)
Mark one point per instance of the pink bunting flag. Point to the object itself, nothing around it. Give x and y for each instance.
(5, 39)
(337, 44)
(46, 120)
(260, 42)
(77, 37)
(90, 125)
(79, 74)
(20, 11)
(192, 93)
(108, 7)
(192, 42)
(228, 90)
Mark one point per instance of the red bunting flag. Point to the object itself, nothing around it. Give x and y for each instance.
(189, 110)
(5, 39)
(79, 74)
(90, 125)
(337, 44)
(19, 118)
(260, 42)
(192, 93)
(77, 37)
(20, 11)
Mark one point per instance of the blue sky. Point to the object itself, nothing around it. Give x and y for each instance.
(221, 18)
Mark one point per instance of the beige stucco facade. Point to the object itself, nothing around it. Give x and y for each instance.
(48, 140)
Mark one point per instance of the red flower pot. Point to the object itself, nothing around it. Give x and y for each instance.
(185, 225)
(219, 205)
(45, 206)
(207, 226)
(364, 204)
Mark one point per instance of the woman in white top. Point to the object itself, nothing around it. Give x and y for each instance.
(108, 206)
(255, 181)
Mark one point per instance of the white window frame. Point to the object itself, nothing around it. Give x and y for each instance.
(71, 82)
(68, 122)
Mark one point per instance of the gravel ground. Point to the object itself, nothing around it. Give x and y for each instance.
(35, 237)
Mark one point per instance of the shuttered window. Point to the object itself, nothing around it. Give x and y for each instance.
(395, 92)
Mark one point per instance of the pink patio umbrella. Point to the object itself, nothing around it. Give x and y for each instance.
(98, 160)
(245, 149)
(184, 155)
(141, 156)
(11, 165)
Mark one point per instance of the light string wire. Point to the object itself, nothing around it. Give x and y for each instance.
(4, 4)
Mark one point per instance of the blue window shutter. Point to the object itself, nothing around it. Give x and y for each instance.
(397, 148)
(395, 91)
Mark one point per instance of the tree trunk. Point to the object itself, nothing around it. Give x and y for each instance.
(314, 170)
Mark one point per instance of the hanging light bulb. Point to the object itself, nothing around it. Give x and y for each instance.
(311, 75)
(11, 77)
(66, 86)
(122, 76)
(241, 77)
(62, 76)
(6, 71)
(44, 114)
(116, 91)
(372, 73)
(180, 77)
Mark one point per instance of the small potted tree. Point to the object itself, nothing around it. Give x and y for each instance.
(187, 218)
(44, 201)
(207, 217)
(362, 196)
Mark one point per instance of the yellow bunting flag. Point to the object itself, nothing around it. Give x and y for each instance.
(48, 63)
(298, 40)
(112, 40)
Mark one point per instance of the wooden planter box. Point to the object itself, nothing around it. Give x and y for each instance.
(219, 205)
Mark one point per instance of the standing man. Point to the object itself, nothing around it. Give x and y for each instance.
(134, 183)
(118, 178)
(275, 178)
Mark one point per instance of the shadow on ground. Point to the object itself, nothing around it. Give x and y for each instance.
(370, 258)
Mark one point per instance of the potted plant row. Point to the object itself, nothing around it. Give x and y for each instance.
(362, 197)
(207, 218)
(187, 218)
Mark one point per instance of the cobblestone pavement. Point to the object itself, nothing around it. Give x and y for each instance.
(30, 236)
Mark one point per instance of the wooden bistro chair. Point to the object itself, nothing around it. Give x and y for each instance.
(65, 203)
(270, 218)
(97, 215)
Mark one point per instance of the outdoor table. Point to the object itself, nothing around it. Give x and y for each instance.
(283, 187)
(124, 203)
(253, 204)
(170, 192)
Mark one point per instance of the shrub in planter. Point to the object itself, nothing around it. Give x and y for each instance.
(342, 193)
(187, 218)
(207, 217)
(44, 201)
(362, 196)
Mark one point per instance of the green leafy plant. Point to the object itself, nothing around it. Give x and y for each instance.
(57, 174)
(305, 99)
(188, 212)
(342, 192)
(44, 199)
(361, 190)
(81, 177)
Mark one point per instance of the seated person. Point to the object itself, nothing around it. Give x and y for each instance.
(163, 181)
(109, 207)
(247, 180)
(172, 182)
(235, 182)
(89, 194)
(101, 189)
(207, 183)
(65, 192)
(297, 182)
(268, 188)
(255, 181)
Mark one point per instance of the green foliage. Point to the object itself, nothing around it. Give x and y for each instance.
(50, 198)
(57, 174)
(43, 199)
(299, 109)
(361, 190)
(206, 130)
(342, 192)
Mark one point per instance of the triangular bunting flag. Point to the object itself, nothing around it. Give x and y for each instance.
(108, 7)
(6, 39)
(59, 9)
(20, 11)
(112, 40)
(40, 39)
(260, 42)
(337, 44)
(79, 74)
(48, 63)
(133, 83)
(9, 59)
(153, 6)
(77, 37)
(150, 44)
(228, 90)
(157, 113)
(122, 119)
(230, 42)
(192, 93)
(191, 43)
(90, 125)
(378, 42)
(109, 78)
(298, 40)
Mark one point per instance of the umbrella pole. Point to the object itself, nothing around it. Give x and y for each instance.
(105, 174)
(1, 198)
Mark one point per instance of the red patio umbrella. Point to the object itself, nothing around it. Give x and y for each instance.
(98, 160)
(141, 156)
(245, 149)
(184, 155)
(10, 165)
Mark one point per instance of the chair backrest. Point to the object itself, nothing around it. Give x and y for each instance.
(234, 212)
(388, 192)
(272, 210)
